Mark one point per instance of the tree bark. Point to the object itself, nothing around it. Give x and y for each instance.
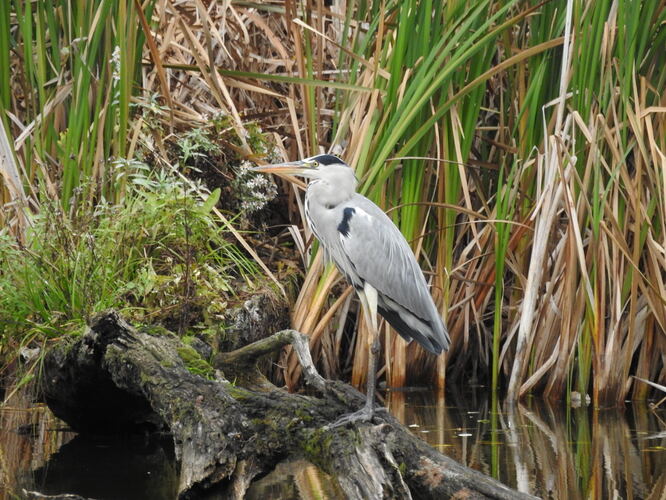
(230, 424)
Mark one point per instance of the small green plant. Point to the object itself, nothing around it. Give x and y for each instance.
(196, 145)
(257, 140)
(158, 253)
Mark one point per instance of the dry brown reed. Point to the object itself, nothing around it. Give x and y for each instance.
(536, 210)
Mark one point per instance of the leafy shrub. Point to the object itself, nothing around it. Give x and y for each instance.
(158, 252)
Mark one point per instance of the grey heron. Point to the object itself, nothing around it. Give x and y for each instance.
(372, 254)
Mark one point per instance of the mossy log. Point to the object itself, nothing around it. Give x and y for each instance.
(230, 424)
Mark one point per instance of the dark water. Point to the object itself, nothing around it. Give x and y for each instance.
(547, 451)
(103, 467)
(551, 452)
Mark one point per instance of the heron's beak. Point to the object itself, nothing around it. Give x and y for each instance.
(301, 167)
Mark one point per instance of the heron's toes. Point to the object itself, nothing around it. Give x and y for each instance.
(364, 415)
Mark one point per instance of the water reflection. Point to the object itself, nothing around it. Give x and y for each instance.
(547, 451)
(295, 479)
(27, 441)
(37, 453)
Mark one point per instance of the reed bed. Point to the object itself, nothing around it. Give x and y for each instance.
(520, 147)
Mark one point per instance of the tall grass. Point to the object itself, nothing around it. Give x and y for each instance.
(76, 107)
(602, 307)
(520, 147)
(415, 70)
(83, 225)
(73, 69)
(563, 118)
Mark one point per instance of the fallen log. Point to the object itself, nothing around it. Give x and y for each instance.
(229, 424)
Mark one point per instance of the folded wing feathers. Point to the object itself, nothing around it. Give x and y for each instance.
(392, 270)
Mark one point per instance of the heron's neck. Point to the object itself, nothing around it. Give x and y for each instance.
(329, 194)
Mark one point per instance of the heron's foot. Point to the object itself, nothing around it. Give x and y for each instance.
(365, 414)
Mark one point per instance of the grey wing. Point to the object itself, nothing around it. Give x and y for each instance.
(376, 252)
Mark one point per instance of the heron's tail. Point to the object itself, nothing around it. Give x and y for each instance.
(432, 335)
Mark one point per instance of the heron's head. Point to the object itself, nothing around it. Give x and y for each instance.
(315, 167)
(332, 180)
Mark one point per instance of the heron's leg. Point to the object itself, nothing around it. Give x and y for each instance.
(370, 313)
(368, 298)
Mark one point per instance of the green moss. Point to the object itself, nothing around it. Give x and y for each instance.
(146, 379)
(194, 363)
(303, 415)
(402, 468)
(317, 447)
(237, 392)
(156, 331)
(265, 423)
(67, 344)
(166, 363)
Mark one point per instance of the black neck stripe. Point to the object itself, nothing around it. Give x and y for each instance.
(343, 227)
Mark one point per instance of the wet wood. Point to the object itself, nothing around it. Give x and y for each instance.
(230, 424)
(35, 495)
